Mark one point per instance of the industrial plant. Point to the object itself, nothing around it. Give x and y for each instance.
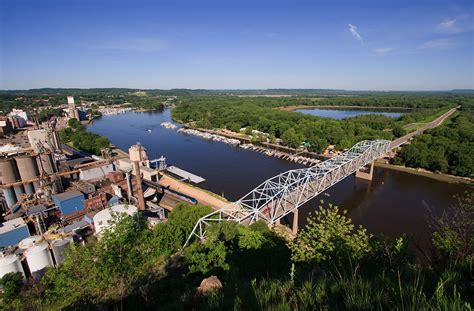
(53, 196)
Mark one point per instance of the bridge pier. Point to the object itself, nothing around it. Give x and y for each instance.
(366, 172)
(294, 228)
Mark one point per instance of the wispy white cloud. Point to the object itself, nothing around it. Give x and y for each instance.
(355, 33)
(130, 44)
(439, 44)
(455, 25)
(382, 51)
(448, 26)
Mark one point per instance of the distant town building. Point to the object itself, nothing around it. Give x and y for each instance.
(5, 126)
(72, 110)
(18, 118)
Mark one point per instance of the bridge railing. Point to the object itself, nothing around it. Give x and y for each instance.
(282, 194)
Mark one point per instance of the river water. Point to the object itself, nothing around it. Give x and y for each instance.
(392, 204)
(348, 113)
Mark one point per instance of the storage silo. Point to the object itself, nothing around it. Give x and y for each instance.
(59, 248)
(10, 264)
(10, 196)
(38, 258)
(30, 242)
(10, 175)
(28, 169)
(102, 220)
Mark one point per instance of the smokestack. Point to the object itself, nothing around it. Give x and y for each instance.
(137, 155)
(138, 179)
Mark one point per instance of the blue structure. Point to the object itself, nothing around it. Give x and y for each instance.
(113, 200)
(82, 112)
(13, 231)
(69, 202)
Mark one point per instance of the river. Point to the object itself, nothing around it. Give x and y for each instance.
(392, 204)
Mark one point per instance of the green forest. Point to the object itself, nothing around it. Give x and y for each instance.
(446, 149)
(330, 265)
(295, 128)
(79, 138)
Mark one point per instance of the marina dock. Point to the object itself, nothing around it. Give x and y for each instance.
(185, 175)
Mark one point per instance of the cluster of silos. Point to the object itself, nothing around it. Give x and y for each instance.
(10, 175)
(24, 168)
(37, 254)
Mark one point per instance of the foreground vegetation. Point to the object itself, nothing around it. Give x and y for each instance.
(330, 265)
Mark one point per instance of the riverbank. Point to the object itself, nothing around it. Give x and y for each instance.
(204, 197)
(421, 172)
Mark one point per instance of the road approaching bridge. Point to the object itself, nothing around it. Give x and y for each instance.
(285, 193)
(437, 122)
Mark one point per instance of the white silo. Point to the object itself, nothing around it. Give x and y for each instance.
(59, 248)
(29, 242)
(38, 258)
(103, 218)
(10, 263)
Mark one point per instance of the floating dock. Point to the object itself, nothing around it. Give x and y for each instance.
(185, 175)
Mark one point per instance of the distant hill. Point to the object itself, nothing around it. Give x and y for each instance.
(171, 92)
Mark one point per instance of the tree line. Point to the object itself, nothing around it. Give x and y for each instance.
(446, 149)
(79, 138)
(293, 128)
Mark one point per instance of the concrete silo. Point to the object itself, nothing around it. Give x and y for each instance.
(10, 264)
(39, 259)
(28, 169)
(10, 175)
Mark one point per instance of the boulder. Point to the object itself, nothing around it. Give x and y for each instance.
(209, 284)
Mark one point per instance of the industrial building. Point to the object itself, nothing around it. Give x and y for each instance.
(50, 198)
(18, 118)
(5, 126)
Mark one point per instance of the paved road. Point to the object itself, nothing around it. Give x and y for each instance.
(437, 122)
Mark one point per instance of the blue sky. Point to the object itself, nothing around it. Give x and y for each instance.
(353, 44)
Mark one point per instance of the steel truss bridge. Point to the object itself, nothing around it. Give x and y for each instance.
(285, 193)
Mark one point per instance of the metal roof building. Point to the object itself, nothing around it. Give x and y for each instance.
(13, 231)
(69, 202)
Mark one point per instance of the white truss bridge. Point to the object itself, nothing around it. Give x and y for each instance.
(280, 195)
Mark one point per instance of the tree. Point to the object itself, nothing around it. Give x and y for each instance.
(317, 144)
(398, 131)
(291, 138)
(207, 257)
(11, 284)
(453, 235)
(184, 217)
(74, 123)
(329, 236)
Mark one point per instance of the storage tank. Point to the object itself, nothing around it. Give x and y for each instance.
(28, 169)
(38, 258)
(30, 242)
(102, 218)
(10, 263)
(59, 248)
